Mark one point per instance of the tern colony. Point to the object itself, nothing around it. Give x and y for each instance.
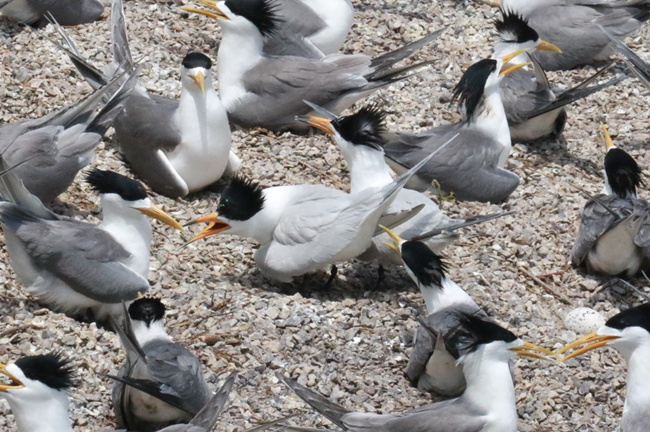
(279, 68)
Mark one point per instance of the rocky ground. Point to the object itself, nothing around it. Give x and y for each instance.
(350, 342)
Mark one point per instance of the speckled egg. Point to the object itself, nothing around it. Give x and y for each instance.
(583, 320)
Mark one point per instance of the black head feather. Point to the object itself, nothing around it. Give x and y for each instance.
(427, 267)
(470, 88)
(195, 60)
(638, 316)
(262, 13)
(106, 182)
(623, 173)
(241, 200)
(514, 28)
(473, 331)
(54, 370)
(147, 309)
(366, 127)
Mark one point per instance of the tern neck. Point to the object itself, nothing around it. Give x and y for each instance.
(490, 119)
(368, 169)
(144, 334)
(239, 51)
(42, 414)
(439, 298)
(131, 229)
(490, 389)
(637, 399)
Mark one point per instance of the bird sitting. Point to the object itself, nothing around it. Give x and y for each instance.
(66, 12)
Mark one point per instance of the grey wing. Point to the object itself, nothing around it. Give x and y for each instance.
(467, 166)
(83, 256)
(422, 351)
(71, 12)
(288, 44)
(640, 68)
(521, 95)
(145, 131)
(179, 371)
(298, 18)
(642, 238)
(594, 222)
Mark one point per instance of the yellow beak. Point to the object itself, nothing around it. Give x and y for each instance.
(531, 350)
(156, 213)
(396, 240)
(511, 69)
(15, 382)
(215, 14)
(506, 58)
(215, 226)
(608, 139)
(592, 341)
(321, 123)
(199, 79)
(547, 46)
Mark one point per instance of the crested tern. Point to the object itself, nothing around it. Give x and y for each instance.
(534, 110)
(359, 137)
(62, 143)
(431, 367)
(573, 25)
(483, 349)
(40, 384)
(175, 146)
(302, 228)
(628, 333)
(66, 12)
(614, 234)
(265, 91)
(473, 167)
(167, 370)
(74, 267)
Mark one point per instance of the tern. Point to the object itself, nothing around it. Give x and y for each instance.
(39, 384)
(302, 228)
(265, 91)
(483, 349)
(166, 370)
(74, 267)
(59, 145)
(614, 233)
(359, 137)
(473, 167)
(431, 367)
(573, 25)
(176, 146)
(66, 12)
(534, 110)
(628, 333)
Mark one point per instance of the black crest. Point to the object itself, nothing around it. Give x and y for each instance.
(470, 88)
(195, 60)
(366, 127)
(638, 316)
(106, 182)
(514, 28)
(54, 370)
(241, 200)
(473, 331)
(427, 267)
(623, 173)
(147, 309)
(262, 13)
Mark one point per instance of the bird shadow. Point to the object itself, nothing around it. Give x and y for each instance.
(555, 152)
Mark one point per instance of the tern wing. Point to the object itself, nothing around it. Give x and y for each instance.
(207, 417)
(595, 221)
(83, 256)
(640, 68)
(467, 167)
(70, 13)
(522, 93)
(298, 18)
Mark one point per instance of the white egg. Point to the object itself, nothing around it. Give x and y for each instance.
(583, 320)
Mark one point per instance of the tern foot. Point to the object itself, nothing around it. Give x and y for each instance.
(333, 272)
(381, 275)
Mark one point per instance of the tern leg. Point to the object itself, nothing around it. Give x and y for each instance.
(333, 272)
(381, 275)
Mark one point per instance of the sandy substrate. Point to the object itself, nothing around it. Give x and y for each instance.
(350, 342)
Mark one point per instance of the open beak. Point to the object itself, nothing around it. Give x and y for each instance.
(15, 382)
(591, 342)
(506, 58)
(156, 213)
(608, 139)
(531, 350)
(215, 226)
(396, 240)
(321, 123)
(199, 79)
(547, 46)
(216, 13)
(511, 69)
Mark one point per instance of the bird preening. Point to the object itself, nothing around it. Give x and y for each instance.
(376, 204)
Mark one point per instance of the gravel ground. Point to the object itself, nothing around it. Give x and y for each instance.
(350, 342)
